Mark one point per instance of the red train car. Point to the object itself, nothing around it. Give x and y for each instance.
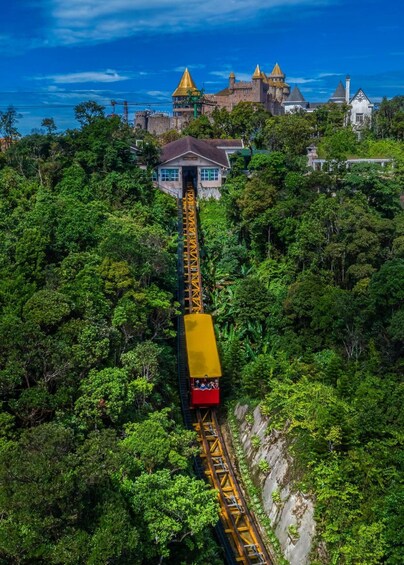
(203, 360)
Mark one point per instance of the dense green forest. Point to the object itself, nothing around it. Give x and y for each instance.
(303, 272)
(95, 466)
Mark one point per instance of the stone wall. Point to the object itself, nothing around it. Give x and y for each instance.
(291, 512)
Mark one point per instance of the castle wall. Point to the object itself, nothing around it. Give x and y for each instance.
(158, 124)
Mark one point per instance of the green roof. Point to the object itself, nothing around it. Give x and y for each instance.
(247, 152)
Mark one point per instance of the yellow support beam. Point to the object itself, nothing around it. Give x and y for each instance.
(192, 271)
(238, 524)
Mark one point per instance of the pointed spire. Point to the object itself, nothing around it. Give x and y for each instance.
(257, 72)
(339, 94)
(185, 85)
(276, 72)
(295, 95)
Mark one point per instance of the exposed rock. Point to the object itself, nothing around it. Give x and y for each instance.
(291, 512)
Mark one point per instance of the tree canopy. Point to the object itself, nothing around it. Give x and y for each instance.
(95, 466)
(303, 271)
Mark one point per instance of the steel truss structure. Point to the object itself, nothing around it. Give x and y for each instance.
(192, 271)
(237, 520)
(238, 523)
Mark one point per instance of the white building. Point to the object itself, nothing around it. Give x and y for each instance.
(295, 102)
(360, 108)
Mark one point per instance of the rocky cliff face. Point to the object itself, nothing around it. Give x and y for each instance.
(291, 512)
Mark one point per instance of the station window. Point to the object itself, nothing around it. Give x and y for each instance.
(359, 118)
(210, 174)
(169, 174)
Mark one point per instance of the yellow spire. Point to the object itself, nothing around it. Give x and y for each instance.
(257, 72)
(276, 72)
(185, 85)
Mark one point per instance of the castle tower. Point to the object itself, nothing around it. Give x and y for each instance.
(339, 95)
(280, 90)
(257, 73)
(295, 101)
(256, 84)
(232, 80)
(182, 107)
(141, 119)
(277, 75)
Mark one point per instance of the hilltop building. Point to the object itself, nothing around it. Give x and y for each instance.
(360, 107)
(158, 123)
(270, 91)
(361, 110)
(188, 101)
(295, 102)
(182, 95)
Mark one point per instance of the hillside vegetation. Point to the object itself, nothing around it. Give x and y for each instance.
(305, 273)
(94, 465)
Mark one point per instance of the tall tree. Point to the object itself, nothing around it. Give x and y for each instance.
(87, 112)
(8, 125)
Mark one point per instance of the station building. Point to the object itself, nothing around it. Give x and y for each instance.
(204, 161)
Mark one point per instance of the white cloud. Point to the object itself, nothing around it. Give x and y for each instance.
(159, 94)
(181, 69)
(239, 76)
(326, 75)
(92, 21)
(300, 80)
(87, 76)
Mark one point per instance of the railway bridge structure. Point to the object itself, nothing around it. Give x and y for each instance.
(237, 531)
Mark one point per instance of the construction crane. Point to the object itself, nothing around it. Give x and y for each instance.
(126, 104)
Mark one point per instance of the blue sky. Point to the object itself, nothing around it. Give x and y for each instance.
(57, 53)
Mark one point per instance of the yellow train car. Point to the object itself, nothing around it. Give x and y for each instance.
(203, 360)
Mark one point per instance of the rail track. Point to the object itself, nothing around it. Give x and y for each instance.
(237, 531)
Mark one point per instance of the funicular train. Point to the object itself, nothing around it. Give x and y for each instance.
(203, 360)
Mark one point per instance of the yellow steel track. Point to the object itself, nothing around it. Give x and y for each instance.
(238, 523)
(192, 271)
